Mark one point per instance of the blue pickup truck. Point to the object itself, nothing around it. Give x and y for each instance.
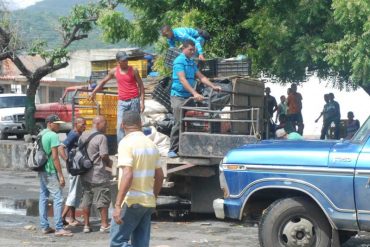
(304, 193)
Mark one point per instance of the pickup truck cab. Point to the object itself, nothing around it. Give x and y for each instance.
(304, 193)
(63, 109)
(12, 115)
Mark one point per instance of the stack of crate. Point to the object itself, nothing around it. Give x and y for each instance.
(99, 69)
(107, 107)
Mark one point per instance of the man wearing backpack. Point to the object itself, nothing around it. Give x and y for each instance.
(51, 179)
(96, 182)
(75, 187)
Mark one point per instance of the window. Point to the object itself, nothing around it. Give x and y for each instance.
(12, 101)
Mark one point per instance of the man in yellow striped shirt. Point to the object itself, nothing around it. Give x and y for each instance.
(140, 180)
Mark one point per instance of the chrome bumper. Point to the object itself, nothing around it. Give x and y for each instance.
(218, 207)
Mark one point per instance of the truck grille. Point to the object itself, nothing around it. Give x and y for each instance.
(18, 118)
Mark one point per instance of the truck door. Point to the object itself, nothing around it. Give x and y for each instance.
(362, 186)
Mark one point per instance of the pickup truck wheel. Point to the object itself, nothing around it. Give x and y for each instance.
(3, 136)
(294, 222)
(20, 136)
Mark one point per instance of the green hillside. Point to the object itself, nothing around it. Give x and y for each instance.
(40, 21)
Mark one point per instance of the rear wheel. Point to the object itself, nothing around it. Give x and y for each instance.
(3, 136)
(294, 222)
(20, 136)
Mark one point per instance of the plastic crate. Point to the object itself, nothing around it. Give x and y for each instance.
(208, 67)
(161, 93)
(233, 67)
(99, 65)
(171, 55)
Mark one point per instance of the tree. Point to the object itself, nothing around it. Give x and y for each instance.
(287, 40)
(74, 27)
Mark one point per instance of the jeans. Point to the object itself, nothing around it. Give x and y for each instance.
(135, 226)
(326, 125)
(123, 106)
(49, 185)
(176, 103)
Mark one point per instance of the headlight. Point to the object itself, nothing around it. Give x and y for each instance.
(7, 118)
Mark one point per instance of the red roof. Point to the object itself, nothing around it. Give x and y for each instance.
(31, 63)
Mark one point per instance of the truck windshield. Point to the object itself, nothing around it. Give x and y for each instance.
(12, 101)
(363, 132)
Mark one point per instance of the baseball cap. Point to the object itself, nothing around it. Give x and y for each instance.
(121, 56)
(53, 119)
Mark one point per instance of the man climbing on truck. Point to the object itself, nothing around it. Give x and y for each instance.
(182, 34)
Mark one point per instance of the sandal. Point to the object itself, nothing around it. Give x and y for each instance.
(75, 223)
(87, 229)
(63, 233)
(105, 229)
(48, 230)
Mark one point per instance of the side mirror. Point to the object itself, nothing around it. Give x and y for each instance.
(61, 101)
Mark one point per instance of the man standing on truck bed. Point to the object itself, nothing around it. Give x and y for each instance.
(183, 83)
(130, 89)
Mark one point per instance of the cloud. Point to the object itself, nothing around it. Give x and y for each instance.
(20, 4)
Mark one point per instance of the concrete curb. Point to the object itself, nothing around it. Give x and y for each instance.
(13, 155)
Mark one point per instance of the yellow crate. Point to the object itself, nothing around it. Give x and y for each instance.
(111, 64)
(84, 112)
(111, 132)
(99, 65)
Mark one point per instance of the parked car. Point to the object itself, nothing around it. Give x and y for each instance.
(12, 120)
(304, 193)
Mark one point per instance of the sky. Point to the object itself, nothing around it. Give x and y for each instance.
(20, 4)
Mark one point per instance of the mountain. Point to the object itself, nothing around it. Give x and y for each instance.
(40, 21)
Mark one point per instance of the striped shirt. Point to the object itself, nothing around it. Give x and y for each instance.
(139, 152)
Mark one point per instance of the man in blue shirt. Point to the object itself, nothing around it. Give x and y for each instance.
(75, 187)
(181, 34)
(184, 73)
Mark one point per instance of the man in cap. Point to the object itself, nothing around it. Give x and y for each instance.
(51, 179)
(130, 89)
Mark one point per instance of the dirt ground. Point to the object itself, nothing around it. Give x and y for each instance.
(17, 189)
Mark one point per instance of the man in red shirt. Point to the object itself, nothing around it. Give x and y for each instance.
(130, 89)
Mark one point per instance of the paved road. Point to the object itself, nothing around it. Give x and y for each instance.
(19, 189)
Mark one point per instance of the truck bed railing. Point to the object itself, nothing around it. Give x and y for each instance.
(235, 119)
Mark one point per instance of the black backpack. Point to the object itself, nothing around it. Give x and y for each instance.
(36, 157)
(78, 162)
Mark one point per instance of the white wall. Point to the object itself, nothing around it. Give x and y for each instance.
(313, 101)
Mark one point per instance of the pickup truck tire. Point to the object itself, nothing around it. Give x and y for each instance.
(294, 222)
(20, 136)
(3, 136)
